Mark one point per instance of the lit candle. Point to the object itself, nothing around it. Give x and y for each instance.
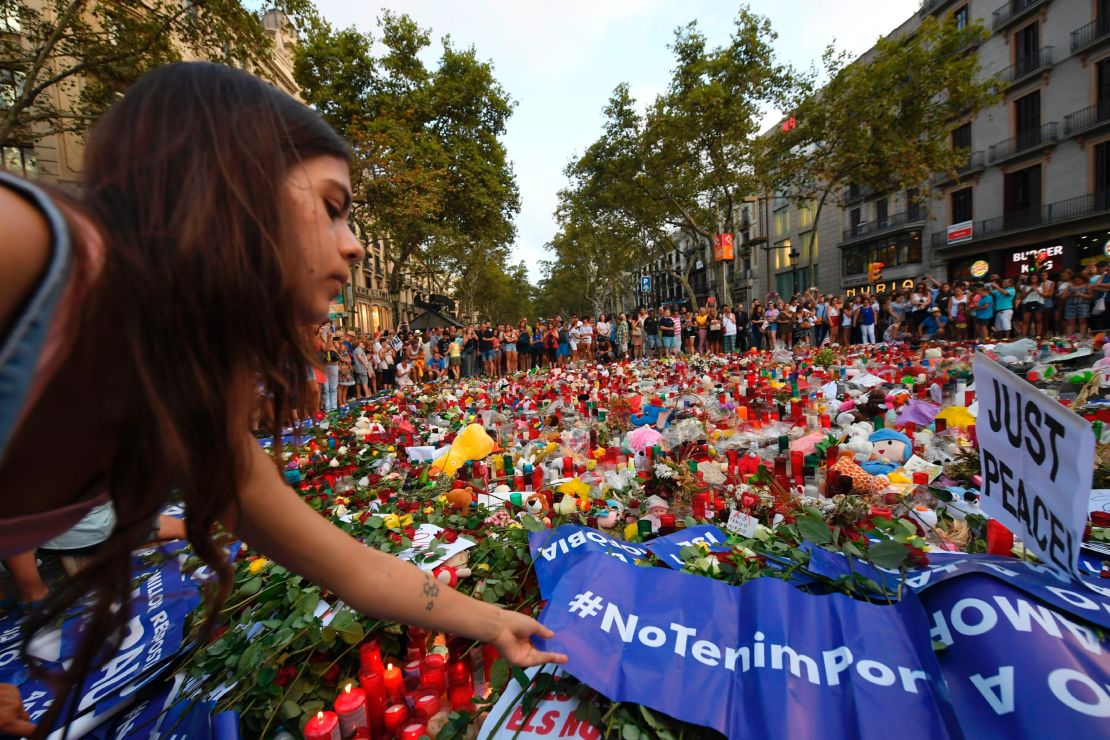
(324, 726)
(350, 705)
(412, 671)
(394, 683)
(413, 731)
(396, 715)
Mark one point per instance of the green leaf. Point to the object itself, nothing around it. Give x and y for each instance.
(888, 554)
(375, 522)
(353, 633)
(266, 676)
(499, 674)
(814, 529)
(290, 709)
(521, 678)
(251, 586)
(631, 732)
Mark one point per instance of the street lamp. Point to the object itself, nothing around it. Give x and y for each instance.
(793, 255)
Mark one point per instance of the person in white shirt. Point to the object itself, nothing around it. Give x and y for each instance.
(728, 325)
(404, 373)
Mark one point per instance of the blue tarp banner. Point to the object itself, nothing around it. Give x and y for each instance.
(754, 661)
(1015, 667)
(667, 548)
(553, 550)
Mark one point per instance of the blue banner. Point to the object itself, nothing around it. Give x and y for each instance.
(1087, 601)
(753, 661)
(553, 550)
(1016, 668)
(667, 548)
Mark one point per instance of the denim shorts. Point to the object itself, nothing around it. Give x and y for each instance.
(487, 355)
(564, 349)
(670, 343)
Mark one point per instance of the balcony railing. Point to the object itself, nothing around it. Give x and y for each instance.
(1012, 12)
(1026, 67)
(1065, 210)
(1089, 35)
(1088, 118)
(891, 222)
(1024, 142)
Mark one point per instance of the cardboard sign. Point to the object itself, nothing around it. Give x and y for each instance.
(1037, 461)
(742, 524)
(553, 716)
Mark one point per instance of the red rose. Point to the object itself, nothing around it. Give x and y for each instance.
(331, 678)
(881, 512)
(1000, 541)
(284, 675)
(918, 558)
(395, 537)
(449, 535)
(1100, 518)
(410, 532)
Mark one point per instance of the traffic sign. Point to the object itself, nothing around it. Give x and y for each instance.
(645, 283)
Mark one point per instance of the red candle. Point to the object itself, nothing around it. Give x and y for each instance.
(395, 716)
(460, 697)
(324, 726)
(370, 656)
(374, 687)
(394, 683)
(832, 454)
(425, 706)
(433, 673)
(413, 731)
(350, 705)
(796, 461)
(568, 466)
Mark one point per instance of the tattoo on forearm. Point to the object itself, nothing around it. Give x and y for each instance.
(431, 590)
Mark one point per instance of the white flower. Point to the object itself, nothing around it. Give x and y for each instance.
(663, 471)
(341, 510)
(334, 463)
(364, 482)
(342, 450)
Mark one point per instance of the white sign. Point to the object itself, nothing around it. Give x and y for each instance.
(1037, 461)
(553, 717)
(422, 544)
(742, 524)
(961, 232)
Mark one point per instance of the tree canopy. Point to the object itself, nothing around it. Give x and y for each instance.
(429, 167)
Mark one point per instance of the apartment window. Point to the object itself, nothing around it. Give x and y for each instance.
(1102, 73)
(19, 158)
(913, 205)
(805, 213)
(782, 221)
(1102, 15)
(961, 206)
(961, 137)
(809, 247)
(1027, 119)
(1027, 48)
(960, 16)
(1022, 198)
(882, 213)
(854, 218)
(782, 254)
(1102, 174)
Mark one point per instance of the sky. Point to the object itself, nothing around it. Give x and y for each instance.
(561, 60)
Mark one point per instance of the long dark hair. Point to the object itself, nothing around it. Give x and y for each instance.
(195, 310)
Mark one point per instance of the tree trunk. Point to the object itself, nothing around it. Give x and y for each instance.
(396, 273)
(813, 233)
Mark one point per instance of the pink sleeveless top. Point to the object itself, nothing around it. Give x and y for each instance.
(40, 330)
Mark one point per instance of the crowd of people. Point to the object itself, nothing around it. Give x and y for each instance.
(357, 365)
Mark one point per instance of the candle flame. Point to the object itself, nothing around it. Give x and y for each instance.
(348, 687)
(389, 666)
(320, 715)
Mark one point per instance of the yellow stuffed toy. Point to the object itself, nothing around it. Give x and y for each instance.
(472, 443)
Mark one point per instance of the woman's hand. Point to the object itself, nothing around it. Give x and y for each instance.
(513, 640)
(13, 717)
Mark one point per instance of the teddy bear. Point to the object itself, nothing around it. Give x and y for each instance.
(454, 568)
